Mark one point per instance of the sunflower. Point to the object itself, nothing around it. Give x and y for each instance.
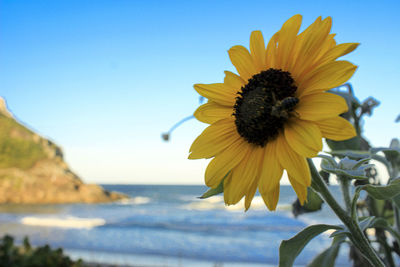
(274, 114)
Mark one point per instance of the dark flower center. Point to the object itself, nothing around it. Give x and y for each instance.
(263, 106)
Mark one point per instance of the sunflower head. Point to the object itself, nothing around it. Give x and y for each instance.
(273, 115)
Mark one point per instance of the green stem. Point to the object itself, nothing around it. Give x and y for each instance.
(357, 236)
(393, 174)
(396, 217)
(344, 184)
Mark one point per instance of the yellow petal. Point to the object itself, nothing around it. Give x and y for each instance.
(311, 45)
(272, 170)
(318, 61)
(234, 81)
(304, 137)
(244, 175)
(224, 162)
(270, 53)
(320, 106)
(271, 198)
(295, 165)
(211, 112)
(338, 51)
(250, 194)
(270, 176)
(287, 37)
(326, 46)
(300, 189)
(218, 92)
(327, 76)
(214, 139)
(227, 187)
(337, 129)
(257, 49)
(299, 44)
(242, 61)
(233, 191)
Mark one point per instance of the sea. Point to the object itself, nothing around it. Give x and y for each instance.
(168, 225)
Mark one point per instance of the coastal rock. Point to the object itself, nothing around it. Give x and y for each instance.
(33, 171)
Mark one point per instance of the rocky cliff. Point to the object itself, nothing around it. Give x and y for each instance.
(32, 169)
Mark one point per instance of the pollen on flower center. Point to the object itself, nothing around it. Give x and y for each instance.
(263, 106)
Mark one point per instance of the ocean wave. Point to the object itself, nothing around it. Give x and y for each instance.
(67, 222)
(135, 201)
(256, 204)
(217, 203)
(284, 207)
(280, 224)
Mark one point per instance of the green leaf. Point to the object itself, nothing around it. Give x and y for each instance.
(341, 233)
(352, 154)
(396, 201)
(291, 248)
(356, 195)
(382, 223)
(352, 144)
(358, 174)
(385, 149)
(392, 153)
(366, 223)
(215, 191)
(329, 159)
(328, 257)
(357, 155)
(327, 166)
(314, 201)
(383, 192)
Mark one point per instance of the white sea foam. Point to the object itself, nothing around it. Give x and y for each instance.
(200, 205)
(214, 199)
(256, 204)
(284, 207)
(135, 201)
(217, 202)
(67, 222)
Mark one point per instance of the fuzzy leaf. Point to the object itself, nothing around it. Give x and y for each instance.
(382, 223)
(314, 201)
(291, 248)
(328, 257)
(352, 144)
(352, 154)
(358, 174)
(364, 224)
(383, 192)
(385, 149)
(353, 169)
(329, 159)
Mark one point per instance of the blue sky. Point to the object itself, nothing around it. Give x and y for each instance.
(103, 79)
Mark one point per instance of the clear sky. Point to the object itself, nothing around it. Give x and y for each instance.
(103, 79)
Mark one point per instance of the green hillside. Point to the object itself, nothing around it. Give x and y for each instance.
(33, 171)
(17, 146)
